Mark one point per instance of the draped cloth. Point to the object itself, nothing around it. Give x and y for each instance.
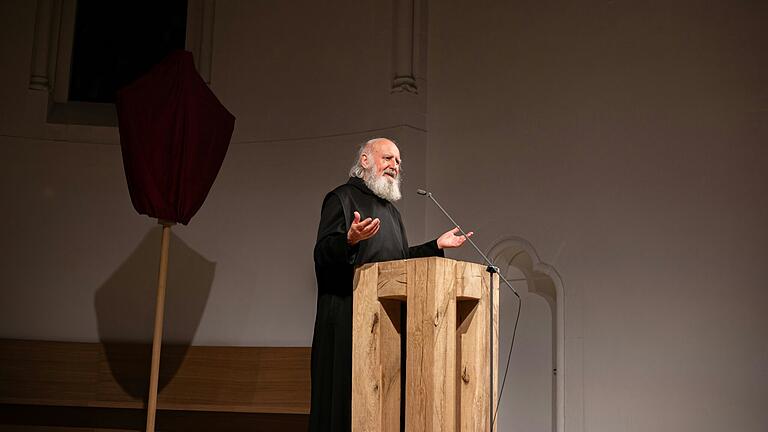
(174, 134)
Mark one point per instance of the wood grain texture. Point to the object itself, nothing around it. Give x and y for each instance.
(38, 418)
(223, 379)
(375, 354)
(468, 276)
(392, 280)
(447, 341)
(418, 373)
(389, 345)
(55, 373)
(472, 356)
(366, 385)
(431, 361)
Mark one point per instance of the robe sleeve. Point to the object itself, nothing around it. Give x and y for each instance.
(331, 247)
(427, 249)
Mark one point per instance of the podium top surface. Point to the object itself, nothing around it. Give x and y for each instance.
(392, 278)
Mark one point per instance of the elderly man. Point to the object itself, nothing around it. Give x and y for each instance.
(358, 224)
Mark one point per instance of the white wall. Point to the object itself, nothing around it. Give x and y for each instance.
(306, 81)
(627, 143)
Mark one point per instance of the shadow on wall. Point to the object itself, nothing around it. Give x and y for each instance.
(125, 311)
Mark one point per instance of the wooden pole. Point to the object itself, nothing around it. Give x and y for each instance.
(157, 337)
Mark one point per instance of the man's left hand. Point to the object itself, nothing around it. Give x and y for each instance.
(451, 240)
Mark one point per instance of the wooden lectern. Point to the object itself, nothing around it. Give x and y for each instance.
(447, 346)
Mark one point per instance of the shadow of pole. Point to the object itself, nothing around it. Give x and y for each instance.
(125, 311)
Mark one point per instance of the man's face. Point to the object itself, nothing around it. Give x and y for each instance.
(385, 159)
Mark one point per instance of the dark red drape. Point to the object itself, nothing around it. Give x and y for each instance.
(174, 134)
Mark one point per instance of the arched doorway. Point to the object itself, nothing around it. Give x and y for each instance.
(533, 397)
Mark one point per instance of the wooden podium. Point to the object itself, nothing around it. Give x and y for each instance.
(447, 346)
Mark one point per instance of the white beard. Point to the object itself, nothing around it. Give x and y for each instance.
(383, 186)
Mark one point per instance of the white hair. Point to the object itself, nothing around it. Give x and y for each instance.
(357, 169)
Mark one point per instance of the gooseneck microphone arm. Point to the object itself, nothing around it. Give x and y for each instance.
(485, 258)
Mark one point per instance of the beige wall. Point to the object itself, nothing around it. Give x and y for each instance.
(304, 90)
(626, 142)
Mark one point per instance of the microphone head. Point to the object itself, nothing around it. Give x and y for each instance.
(421, 191)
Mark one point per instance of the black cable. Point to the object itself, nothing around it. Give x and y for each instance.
(509, 357)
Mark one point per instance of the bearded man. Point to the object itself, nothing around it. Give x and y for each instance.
(358, 224)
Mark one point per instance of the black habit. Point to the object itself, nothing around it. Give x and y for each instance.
(335, 263)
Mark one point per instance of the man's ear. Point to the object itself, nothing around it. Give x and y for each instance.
(364, 160)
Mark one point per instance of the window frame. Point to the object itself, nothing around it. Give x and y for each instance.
(60, 32)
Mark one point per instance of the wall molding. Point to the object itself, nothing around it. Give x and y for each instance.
(409, 26)
(44, 47)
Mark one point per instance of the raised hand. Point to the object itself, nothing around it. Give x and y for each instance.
(361, 230)
(451, 240)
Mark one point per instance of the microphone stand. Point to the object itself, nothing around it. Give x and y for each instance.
(491, 269)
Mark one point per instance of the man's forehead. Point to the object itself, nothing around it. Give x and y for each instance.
(385, 146)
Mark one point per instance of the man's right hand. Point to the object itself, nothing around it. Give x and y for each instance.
(361, 230)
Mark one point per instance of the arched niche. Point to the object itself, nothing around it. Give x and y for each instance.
(519, 262)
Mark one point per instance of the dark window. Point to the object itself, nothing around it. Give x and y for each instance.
(117, 41)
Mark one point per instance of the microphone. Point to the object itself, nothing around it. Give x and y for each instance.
(488, 262)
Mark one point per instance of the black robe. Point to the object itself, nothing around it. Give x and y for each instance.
(335, 263)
